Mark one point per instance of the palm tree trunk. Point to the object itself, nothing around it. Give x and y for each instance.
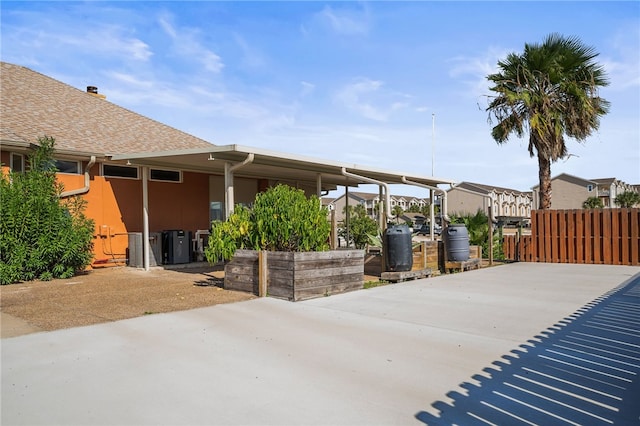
(544, 175)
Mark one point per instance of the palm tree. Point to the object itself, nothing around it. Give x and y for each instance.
(593, 203)
(549, 91)
(628, 199)
(397, 212)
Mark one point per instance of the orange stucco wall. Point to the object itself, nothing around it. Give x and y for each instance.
(115, 204)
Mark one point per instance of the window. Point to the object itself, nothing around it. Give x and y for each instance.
(65, 166)
(111, 170)
(216, 211)
(165, 175)
(17, 162)
(589, 188)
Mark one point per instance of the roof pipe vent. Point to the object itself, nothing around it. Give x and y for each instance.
(93, 91)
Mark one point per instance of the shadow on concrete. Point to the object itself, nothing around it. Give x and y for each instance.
(585, 370)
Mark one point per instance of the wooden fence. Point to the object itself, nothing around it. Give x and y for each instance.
(601, 236)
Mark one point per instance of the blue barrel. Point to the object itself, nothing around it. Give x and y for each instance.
(398, 249)
(456, 239)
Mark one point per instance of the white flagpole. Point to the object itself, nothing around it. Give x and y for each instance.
(433, 140)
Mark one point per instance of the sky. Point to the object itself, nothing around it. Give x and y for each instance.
(395, 85)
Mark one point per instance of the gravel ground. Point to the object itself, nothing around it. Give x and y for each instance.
(109, 294)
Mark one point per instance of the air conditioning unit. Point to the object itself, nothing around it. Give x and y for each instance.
(135, 255)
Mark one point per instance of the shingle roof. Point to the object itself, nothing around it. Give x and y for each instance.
(569, 178)
(486, 189)
(363, 195)
(604, 181)
(34, 105)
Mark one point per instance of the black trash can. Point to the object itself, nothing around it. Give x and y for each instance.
(398, 249)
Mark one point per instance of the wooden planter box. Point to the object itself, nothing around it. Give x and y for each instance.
(297, 276)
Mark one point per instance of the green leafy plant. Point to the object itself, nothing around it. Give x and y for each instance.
(361, 227)
(41, 236)
(397, 212)
(628, 199)
(282, 219)
(593, 203)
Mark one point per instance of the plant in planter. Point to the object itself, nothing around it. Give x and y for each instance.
(294, 230)
(282, 219)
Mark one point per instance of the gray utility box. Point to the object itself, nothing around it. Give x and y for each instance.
(176, 247)
(135, 255)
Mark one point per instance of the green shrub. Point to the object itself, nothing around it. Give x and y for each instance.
(593, 203)
(361, 227)
(41, 236)
(282, 219)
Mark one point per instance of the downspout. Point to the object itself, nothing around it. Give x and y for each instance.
(228, 183)
(444, 213)
(87, 180)
(377, 182)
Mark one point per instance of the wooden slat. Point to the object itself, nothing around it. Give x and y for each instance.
(580, 244)
(625, 236)
(634, 252)
(615, 237)
(588, 242)
(561, 239)
(597, 236)
(548, 236)
(528, 248)
(535, 231)
(607, 249)
(571, 237)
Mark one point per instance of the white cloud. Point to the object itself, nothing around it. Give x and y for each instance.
(187, 43)
(346, 21)
(105, 40)
(131, 80)
(370, 99)
(251, 57)
(167, 26)
(622, 64)
(472, 71)
(306, 88)
(351, 96)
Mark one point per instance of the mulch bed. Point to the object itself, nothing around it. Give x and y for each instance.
(111, 294)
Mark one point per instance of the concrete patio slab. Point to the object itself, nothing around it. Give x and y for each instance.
(378, 356)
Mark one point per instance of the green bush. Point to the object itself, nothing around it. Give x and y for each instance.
(41, 236)
(593, 203)
(361, 227)
(282, 219)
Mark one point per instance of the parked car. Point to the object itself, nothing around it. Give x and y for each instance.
(426, 230)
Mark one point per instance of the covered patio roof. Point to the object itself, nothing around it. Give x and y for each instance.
(261, 163)
(242, 161)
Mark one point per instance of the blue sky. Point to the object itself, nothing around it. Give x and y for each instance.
(380, 84)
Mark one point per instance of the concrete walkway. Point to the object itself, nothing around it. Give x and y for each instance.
(388, 355)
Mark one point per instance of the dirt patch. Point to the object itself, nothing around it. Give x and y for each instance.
(112, 294)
